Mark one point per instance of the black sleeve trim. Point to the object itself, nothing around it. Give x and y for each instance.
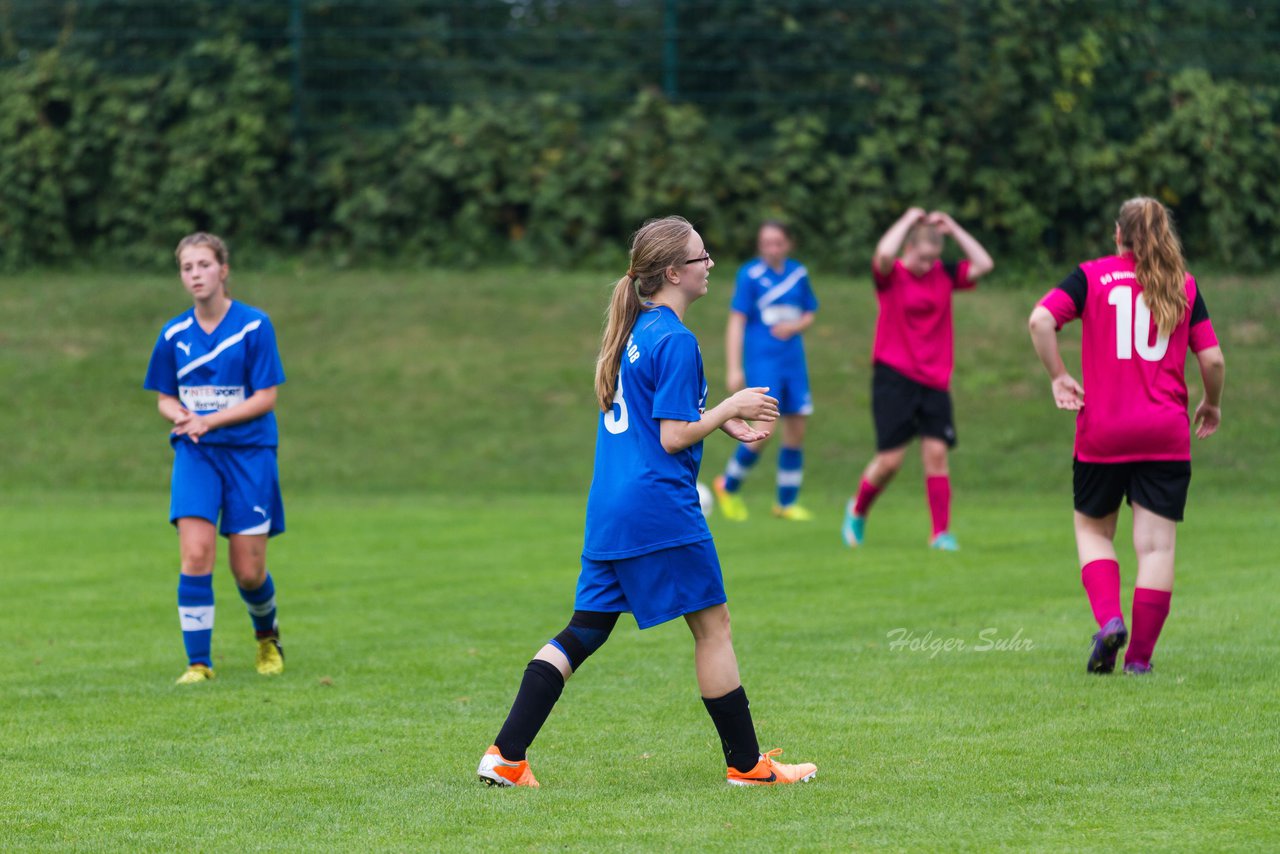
(1199, 311)
(1076, 286)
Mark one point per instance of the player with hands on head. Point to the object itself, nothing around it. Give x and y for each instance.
(647, 548)
(912, 360)
(773, 304)
(1141, 311)
(215, 369)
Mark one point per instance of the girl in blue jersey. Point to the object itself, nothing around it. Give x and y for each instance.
(215, 368)
(648, 550)
(773, 304)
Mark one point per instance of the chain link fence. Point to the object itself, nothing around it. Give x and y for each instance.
(365, 63)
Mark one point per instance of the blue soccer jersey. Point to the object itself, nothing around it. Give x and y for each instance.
(210, 372)
(768, 297)
(643, 499)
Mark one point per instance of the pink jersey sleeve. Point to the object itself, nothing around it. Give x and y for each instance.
(1066, 301)
(1202, 336)
(1061, 306)
(961, 281)
(882, 282)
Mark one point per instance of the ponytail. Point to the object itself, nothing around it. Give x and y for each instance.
(1146, 228)
(624, 308)
(659, 244)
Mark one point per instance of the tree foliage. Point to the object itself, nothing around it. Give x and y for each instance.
(543, 131)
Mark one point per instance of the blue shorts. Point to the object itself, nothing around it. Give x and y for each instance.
(656, 587)
(788, 383)
(241, 483)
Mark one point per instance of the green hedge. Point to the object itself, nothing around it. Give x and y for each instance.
(121, 167)
(118, 167)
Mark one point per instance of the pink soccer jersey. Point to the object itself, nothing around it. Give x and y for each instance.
(1135, 387)
(913, 331)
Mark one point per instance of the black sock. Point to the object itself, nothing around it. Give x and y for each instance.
(732, 716)
(539, 691)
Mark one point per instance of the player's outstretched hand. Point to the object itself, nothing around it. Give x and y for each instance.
(1207, 420)
(1067, 393)
(742, 431)
(752, 404)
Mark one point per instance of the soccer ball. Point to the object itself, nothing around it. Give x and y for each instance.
(705, 499)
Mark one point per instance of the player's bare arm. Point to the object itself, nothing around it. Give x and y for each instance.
(750, 404)
(980, 261)
(735, 378)
(1067, 392)
(788, 329)
(891, 243)
(256, 405)
(1213, 375)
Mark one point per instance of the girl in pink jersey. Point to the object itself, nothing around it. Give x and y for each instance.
(912, 359)
(1141, 312)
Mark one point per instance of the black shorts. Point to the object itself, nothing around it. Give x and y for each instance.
(903, 409)
(1158, 485)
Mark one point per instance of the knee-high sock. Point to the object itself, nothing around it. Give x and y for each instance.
(262, 607)
(939, 489)
(195, 615)
(1101, 580)
(790, 475)
(866, 497)
(738, 467)
(732, 716)
(539, 690)
(1150, 608)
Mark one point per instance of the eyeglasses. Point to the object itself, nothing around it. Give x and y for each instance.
(705, 259)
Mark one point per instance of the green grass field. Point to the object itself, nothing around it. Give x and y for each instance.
(437, 432)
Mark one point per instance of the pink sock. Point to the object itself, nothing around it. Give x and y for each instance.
(1101, 580)
(1150, 607)
(866, 497)
(939, 491)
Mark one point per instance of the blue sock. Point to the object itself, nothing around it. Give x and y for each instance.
(195, 614)
(262, 606)
(790, 475)
(738, 467)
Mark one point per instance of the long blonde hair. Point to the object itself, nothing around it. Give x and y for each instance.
(1147, 229)
(659, 244)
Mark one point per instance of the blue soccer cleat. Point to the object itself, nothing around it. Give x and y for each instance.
(853, 528)
(945, 542)
(1106, 643)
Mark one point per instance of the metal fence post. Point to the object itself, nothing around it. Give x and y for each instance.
(670, 30)
(295, 66)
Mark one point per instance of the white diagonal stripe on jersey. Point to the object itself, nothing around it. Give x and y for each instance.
(195, 618)
(776, 292)
(216, 351)
(756, 270)
(178, 327)
(790, 477)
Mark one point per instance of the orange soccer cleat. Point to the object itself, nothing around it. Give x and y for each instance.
(770, 773)
(496, 771)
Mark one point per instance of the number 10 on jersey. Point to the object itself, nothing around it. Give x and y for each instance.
(1133, 327)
